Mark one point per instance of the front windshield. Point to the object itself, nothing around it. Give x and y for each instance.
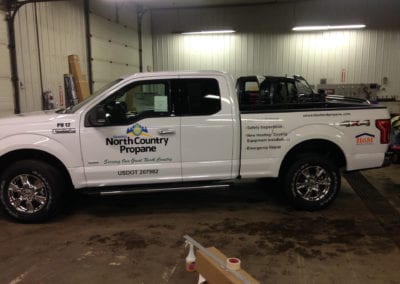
(76, 107)
(303, 87)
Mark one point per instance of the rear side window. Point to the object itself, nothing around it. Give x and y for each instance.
(266, 93)
(279, 92)
(196, 96)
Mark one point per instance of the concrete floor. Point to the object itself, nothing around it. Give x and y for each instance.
(139, 239)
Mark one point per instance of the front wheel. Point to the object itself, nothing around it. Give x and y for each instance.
(31, 190)
(312, 182)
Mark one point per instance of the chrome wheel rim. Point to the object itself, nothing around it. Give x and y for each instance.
(27, 193)
(312, 183)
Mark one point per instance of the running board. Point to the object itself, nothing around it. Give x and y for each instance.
(113, 191)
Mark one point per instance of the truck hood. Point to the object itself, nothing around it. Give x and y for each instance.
(31, 118)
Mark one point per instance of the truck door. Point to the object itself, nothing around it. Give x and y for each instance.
(140, 140)
(206, 128)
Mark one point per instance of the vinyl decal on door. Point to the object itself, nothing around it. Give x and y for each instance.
(138, 130)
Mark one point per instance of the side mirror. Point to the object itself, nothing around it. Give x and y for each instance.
(97, 116)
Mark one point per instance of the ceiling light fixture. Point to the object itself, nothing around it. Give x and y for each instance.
(209, 32)
(327, 28)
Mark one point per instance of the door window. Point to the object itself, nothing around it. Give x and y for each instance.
(196, 96)
(136, 101)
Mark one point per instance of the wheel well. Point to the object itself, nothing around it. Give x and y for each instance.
(318, 146)
(32, 154)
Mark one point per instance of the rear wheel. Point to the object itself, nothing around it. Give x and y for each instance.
(31, 190)
(312, 182)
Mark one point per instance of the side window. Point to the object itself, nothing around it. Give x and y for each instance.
(274, 93)
(252, 93)
(196, 96)
(279, 92)
(292, 93)
(144, 99)
(303, 88)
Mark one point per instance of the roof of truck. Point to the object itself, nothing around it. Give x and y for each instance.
(175, 73)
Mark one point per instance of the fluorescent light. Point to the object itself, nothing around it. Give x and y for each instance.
(209, 32)
(326, 28)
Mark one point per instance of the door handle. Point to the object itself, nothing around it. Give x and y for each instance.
(166, 131)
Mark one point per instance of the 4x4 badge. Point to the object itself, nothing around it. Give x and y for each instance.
(350, 123)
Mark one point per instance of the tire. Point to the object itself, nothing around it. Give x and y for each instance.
(31, 191)
(312, 182)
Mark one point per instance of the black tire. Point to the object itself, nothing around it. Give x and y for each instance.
(31, 191)
(311, 182)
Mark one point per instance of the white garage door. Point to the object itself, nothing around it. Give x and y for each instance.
(6, 91)
(46, 33)
(114, 41)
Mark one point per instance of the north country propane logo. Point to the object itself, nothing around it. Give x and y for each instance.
(138, 140)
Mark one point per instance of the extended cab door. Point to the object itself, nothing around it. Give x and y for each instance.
(139, 141)
(207, 127)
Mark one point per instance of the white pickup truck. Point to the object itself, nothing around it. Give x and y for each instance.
(183, 131)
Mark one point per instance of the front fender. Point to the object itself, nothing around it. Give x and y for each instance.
(42, 143)
(68, 152)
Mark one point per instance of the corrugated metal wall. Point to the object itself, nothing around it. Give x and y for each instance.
(60, 32)
(366, 56)
(260, 46)
(147, 43)
(114, 41)
(6, 92)
(264, 43)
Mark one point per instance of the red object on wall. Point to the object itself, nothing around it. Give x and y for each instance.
(343, 79)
